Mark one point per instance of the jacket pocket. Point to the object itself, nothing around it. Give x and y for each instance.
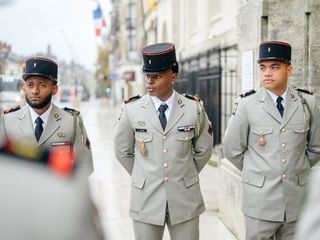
(253, 179)
(261, 137)
(261, 130)
(190, 180)
(185, 136)
(184, 143)
(138, 182)
(145, 137)
(300, 129)
(303, 177)
(137, 193)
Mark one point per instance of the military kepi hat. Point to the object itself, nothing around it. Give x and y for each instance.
(159, 57)
(274, 50)
(39, 66)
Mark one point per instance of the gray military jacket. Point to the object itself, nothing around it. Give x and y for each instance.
(164, 165)
(59, 129)
(37, 203)
(275, 154)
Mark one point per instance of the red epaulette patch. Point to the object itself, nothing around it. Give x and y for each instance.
(71, 110)
(132, 99)
(192, 97)
(11, 109)
(252, 91)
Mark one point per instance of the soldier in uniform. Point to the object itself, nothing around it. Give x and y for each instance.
(41, 198)
(163, 140)
(273, 137)
(41, 122)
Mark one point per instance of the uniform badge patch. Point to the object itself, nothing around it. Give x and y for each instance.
(235, 106)
(262, 140)
(141, 130)
(143, 149)
(141, 123)
(186, 128)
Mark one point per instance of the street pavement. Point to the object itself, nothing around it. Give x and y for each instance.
(110, 184)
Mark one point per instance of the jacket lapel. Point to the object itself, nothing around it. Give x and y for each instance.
(291, 105)
(268, 105)
(150, 113)
(176, 113)
(26, 125)
(52, 126)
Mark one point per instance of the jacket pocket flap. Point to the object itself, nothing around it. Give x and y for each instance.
(145, 137)
(138, 182)
(303, 177)
(261, 130)
(300, 129)
(254, 179)
(189, 181)
(185, 136)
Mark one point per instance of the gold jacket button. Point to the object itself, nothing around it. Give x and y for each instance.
(164, 137)
(166, 179)
(284, 176)
(283, 145)
(284, 160)
(283, 129)
(165, 150)
(165, 165)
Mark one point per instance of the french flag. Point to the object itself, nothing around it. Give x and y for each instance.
(99, 20)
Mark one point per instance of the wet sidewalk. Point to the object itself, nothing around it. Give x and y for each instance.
(111, 184)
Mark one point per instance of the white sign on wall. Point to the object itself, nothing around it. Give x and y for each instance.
(247, 71)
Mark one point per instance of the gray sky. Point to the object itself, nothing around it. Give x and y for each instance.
(30, 25)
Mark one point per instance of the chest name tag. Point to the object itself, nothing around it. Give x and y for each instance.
(186, 128)
(141, 130)
(67, 143)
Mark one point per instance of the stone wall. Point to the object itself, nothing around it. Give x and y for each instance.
(293, 21)
(230, 199)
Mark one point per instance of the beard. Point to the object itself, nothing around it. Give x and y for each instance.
(42, 104)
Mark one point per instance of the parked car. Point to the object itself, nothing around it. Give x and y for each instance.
(11, 93)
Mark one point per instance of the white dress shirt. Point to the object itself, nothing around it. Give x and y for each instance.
(157, 102)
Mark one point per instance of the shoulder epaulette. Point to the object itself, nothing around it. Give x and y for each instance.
(192, 97)
(252, 91)
(304, 91)
(132, 99)
(11, 109)
(71, 110)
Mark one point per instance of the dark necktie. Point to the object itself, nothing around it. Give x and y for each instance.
(162, 116)
(39, 129)
(279, 105)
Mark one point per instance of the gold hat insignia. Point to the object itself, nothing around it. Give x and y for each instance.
(269, 49)
(34, 65)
